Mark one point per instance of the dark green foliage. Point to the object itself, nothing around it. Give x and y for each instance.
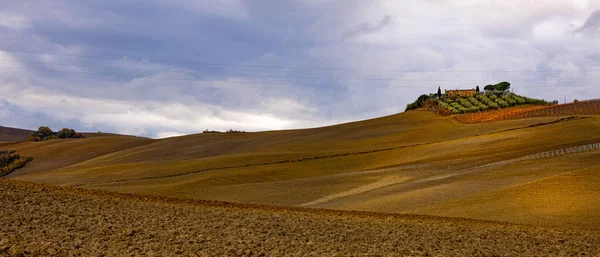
(502, 86)
(45, 133)
(68, 133)
(489, 88)
(477, 89)
(10, 161)
(439, 92)
(418, 103)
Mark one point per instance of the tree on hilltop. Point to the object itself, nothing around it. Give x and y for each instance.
(68, 133)
(45, 133)
(502, 86)
(477, 89)
(439, 93)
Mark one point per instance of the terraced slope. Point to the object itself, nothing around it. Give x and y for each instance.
(41, 220)
(413, 162)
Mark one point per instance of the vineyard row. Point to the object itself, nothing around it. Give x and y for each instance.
(565, 151)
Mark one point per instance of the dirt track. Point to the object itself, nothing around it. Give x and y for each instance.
(43, 220)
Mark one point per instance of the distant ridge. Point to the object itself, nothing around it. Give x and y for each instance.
(8, 134)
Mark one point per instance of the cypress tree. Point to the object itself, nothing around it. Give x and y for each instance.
(439, 93)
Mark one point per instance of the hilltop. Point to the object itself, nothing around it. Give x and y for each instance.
(415, 162)
(474, 100)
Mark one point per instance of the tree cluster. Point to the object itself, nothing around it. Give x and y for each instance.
(228, 131)
(45, 133)
(418, 103)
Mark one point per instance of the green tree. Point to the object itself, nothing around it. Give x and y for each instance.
(502, 86)
(45, 131)
(418, 103)
(489, 88)
(477, 89)
(66, 133)
(439, 93)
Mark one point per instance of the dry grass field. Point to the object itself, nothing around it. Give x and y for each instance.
(414, 162)
(39, 220)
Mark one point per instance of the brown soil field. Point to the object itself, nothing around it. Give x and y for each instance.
(13, 134)
(41, 220)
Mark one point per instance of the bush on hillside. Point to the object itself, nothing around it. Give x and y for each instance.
(10, 161)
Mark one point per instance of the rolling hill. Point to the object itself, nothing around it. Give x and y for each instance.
(414, 162)
(13, 134)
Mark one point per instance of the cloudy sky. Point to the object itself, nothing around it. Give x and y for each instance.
(169, 67)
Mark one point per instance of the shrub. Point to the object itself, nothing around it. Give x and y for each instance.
(465, 103)
(518, 99)
(10, 161)
(488, 102)
(459, 108)
(501, 103)
(534, 101)
(474, 101)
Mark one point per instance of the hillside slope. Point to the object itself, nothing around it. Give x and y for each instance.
(413, 162)
(13, 134)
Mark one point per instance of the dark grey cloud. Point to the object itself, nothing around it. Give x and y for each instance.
(592, 24)
(155, 98)
(368, 27)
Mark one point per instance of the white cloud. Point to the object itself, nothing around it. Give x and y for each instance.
(165, 134)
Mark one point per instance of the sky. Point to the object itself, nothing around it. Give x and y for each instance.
(165, 68)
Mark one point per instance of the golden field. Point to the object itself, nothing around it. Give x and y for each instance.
(414, 162)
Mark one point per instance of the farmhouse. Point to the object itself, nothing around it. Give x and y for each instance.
(461, 92)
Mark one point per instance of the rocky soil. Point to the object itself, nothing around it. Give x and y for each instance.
(39, 220)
